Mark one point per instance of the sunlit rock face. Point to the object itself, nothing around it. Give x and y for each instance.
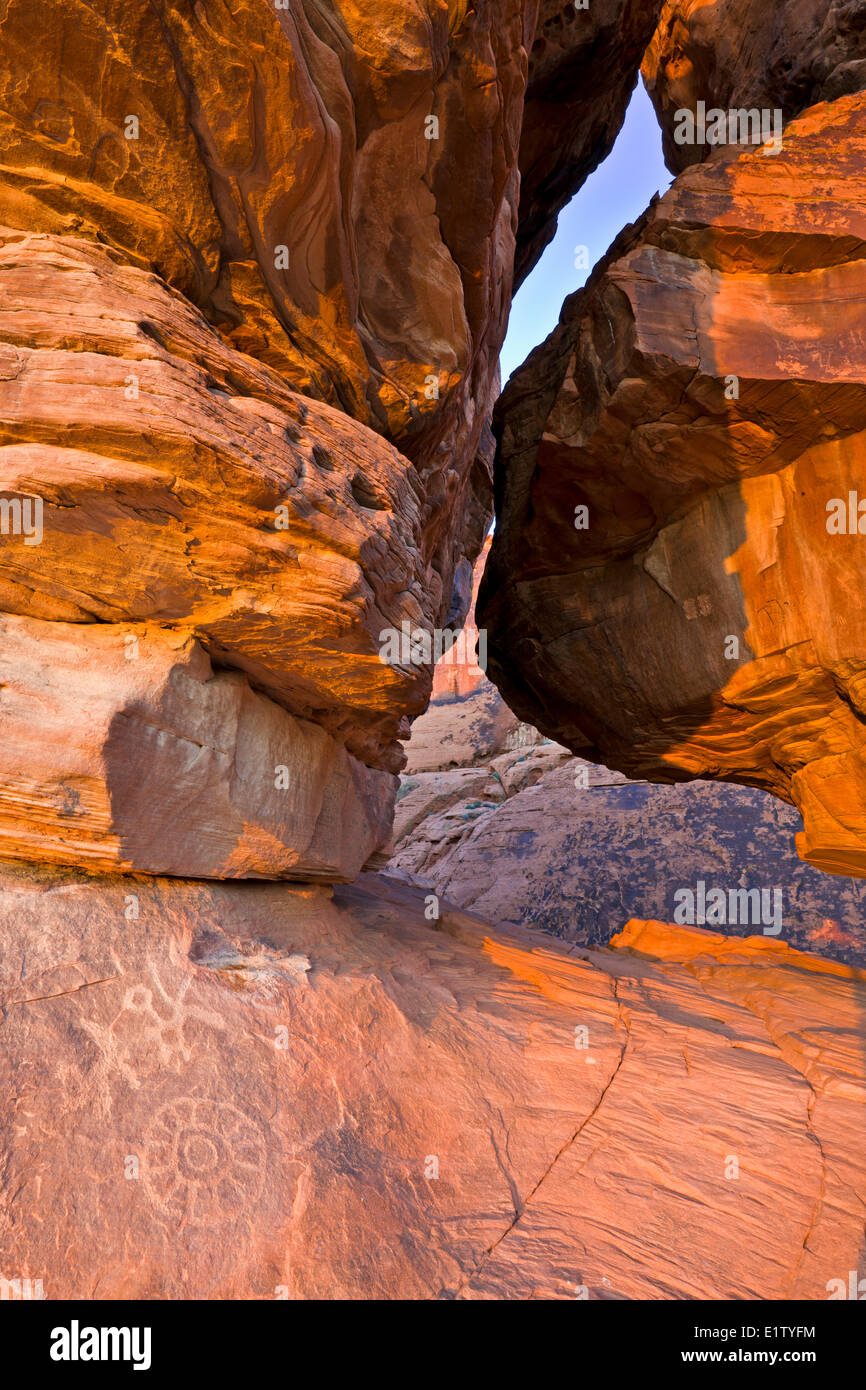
(255, 267)
(182, 483)
(137, 754)
(785, 55)
(676, 579)
(335, 188)
(467, 720)
(273, 1091)
(255, 281)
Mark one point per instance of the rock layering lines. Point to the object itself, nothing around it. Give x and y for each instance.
(124, 749)
(704, 399)
(582, 72)
(746, 54)
(335, 187)
(184, 484)
(255, 272)
(535, 838)
(264, 1090)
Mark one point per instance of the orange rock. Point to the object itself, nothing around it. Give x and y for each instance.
(665, 589)
(335, 189)
(124, 749)
(262, 1090)
(183, 484)
(467, 720)
(255, 283)
(746, 54)
(458, 673)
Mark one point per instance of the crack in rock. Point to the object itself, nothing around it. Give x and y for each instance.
(521, 1207)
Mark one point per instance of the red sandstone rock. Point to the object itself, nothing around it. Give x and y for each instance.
(437, 809)
(249, 206)
(747, 54)
(465, 732)
(183, 484)
(537, 839)
(124, 749)
(237, 278)
(467, 720)
(705, 399)
(334, 188)
(459, 674)
(261, 1091)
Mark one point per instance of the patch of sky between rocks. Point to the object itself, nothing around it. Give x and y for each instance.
(615, 195)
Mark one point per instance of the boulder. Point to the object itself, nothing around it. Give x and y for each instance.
(125, 749)
(748, 55)
(181, 483)
(671, 590)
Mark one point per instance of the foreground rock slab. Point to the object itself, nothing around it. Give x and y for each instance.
(264, 1091)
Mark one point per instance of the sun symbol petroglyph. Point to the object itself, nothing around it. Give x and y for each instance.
(204, 1160)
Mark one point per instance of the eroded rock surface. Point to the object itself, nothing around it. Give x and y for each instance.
(538, 839)
(262, 1090)
(704, 400)
(275, 165)
(182, 483)
(255, 281)
(467, 720)
(135, 753)
(255, 268)
(747, 54)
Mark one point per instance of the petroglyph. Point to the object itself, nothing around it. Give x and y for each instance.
(203, 1160)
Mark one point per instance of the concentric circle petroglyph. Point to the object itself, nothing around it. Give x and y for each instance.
(204, 1160)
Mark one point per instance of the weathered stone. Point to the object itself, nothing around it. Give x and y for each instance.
(267, 1092)
(467, 720)
(183, 484)
(255, 271)
(747, 54)
(570, 849)
(334, 188)
(122, 748)
(704, 400)
(583, 69)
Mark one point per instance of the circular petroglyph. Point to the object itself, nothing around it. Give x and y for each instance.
(204, 1160)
